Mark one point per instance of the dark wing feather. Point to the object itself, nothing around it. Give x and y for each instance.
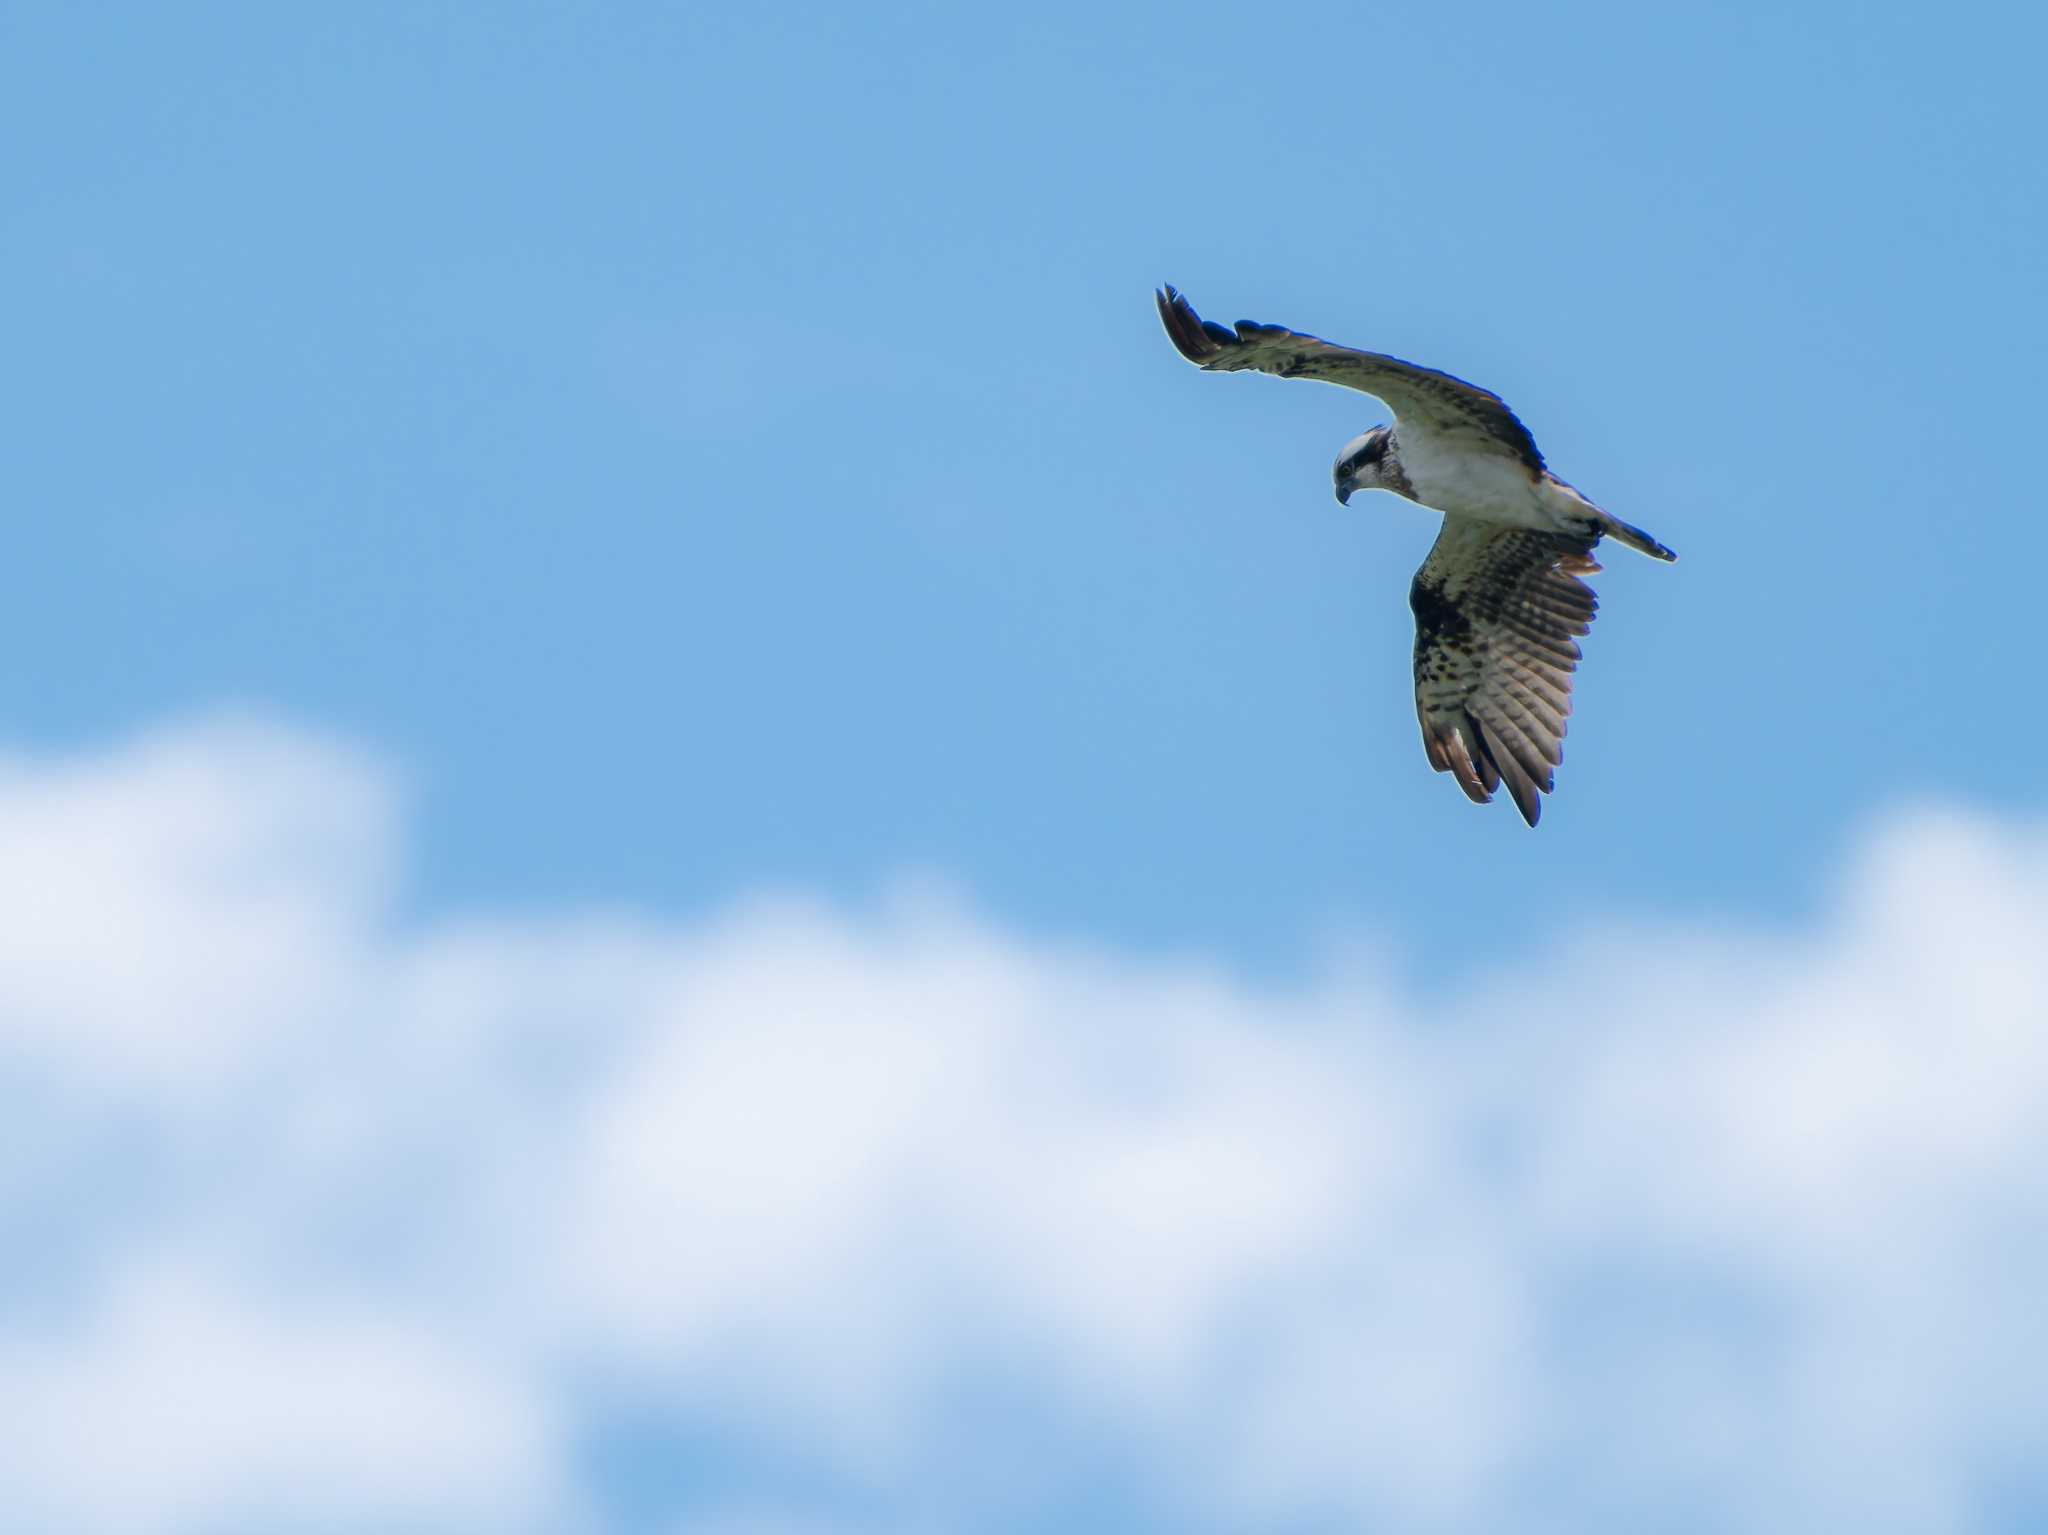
(1420, 397)
(1497, 615)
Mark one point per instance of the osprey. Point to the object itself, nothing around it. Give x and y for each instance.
(1498, 602)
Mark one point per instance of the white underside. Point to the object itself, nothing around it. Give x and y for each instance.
(1488, 488)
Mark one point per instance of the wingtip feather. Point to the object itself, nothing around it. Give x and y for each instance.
(1192, 336)
(1522, 789)
(1470, 768)
(1521, 784)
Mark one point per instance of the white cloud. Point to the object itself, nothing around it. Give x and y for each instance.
(185, 1402)
(328, 1223)
(173, 906)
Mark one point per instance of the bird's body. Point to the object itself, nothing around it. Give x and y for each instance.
(1498, 603)
(1484, 486)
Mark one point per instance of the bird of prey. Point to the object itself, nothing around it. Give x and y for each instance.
(1498, 603)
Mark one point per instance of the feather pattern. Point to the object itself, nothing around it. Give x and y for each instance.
(1498, 611)
(1472, 417)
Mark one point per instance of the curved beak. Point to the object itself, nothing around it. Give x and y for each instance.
(1344, 489)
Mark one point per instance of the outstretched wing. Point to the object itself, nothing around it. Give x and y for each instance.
(1419, 397)
(1496, 612)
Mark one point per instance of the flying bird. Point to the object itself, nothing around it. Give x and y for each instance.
(1498, 603)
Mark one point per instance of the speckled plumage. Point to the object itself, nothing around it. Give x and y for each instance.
(1498, 603)
(1497, 616)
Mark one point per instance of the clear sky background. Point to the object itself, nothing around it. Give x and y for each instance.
(500, 493)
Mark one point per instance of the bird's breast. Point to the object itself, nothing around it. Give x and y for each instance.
(1484, 486)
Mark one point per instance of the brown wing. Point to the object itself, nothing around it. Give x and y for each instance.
(1421, 398)
(1497, 610)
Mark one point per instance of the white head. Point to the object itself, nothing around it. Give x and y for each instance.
(1358, 466)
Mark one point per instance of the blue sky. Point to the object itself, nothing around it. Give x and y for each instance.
(698, 451)
(709, 448)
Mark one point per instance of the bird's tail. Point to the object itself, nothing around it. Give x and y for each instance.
(1634, 537)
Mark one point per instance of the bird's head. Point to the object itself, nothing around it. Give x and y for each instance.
(1358, 466)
